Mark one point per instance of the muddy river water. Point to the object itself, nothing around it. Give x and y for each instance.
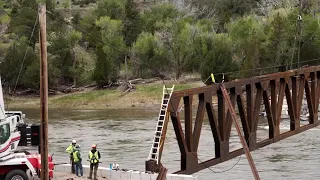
(125, 137)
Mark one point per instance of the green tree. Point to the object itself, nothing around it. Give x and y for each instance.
(104, 69)
(226, 10)
(276, 49)
(50, 5)
(115, 9)
(62, 51)
(178, 40)
(88, 24)
(110, 55)
(309, 46)
(112, 8)
(161, 12)
(10, 66)
(151, 55)
(23, 17)
(132, 23)
(76, 19)
(31, 78)
(247, 36)
(215, 52)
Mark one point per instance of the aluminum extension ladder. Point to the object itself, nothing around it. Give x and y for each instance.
(154, 152)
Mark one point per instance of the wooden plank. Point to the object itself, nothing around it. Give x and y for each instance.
(249, 98)
(188, 121)
(173, 104)
(180, 138)
(198, 123)
(222, 116)
(274, 101)
(302, 82)
(270, 118)
(163, 136)
(280, 101)
(214, 129)
(293, 119)
(318, 93)
(257, 107)
(314, 81)
(229, 118)
(313, 91)
(243, 117)
(294, 84)
(309, 102)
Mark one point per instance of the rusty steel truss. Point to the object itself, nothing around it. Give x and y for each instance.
(248, 94)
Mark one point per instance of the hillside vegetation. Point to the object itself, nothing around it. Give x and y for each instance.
(90, 41)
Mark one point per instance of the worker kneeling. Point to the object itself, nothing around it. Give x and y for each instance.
(77, 161)
(94, 157)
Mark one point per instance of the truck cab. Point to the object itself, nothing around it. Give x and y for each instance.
(13, 133)
(9, 133)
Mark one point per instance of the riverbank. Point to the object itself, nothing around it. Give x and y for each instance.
(144, 96)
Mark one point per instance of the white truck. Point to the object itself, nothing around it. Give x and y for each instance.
(15, 165)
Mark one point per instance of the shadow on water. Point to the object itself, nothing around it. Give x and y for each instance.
(125, 137)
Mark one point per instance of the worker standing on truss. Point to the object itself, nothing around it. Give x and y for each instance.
(212, 78)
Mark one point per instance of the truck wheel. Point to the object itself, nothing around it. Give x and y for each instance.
(16, 175)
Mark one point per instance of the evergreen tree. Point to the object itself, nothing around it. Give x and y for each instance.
(10, 66)
(104, 68)
(132, 23)
(110, 55)
(50, 5)
(23, 17)
(215, 51)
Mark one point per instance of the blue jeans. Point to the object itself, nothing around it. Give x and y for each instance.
(77, 166)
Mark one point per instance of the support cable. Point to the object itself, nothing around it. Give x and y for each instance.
(25, 54)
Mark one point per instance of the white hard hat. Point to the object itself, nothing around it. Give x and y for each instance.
(74, 141)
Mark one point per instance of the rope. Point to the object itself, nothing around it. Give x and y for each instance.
(269, 67)
(25, 54)
(226, 170)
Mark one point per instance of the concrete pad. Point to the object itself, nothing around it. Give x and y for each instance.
(63, 172)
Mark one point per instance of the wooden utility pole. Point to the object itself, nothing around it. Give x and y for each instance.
(44, 174)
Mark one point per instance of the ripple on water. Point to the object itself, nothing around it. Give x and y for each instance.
(125, 137)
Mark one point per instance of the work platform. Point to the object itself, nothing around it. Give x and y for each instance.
(63, 172)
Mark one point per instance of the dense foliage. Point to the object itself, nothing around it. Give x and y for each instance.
(235, 39)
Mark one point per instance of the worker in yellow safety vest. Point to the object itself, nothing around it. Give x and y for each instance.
(77, 161)
(70, 150)
(212, 78)
(94, 157)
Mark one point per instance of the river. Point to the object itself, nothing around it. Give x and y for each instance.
(125, 137)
